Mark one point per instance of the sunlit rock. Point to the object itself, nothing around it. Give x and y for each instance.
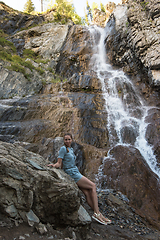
(133, 41)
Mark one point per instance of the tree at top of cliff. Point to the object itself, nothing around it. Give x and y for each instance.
(102, 7)
(65, 10)
(88, 14)
(29, 6)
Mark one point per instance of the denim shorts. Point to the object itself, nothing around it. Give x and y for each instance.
(74, 173)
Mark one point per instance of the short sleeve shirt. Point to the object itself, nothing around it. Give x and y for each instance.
(68, 158)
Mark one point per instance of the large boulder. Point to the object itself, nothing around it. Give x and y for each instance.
(31, 191)
(126, 170)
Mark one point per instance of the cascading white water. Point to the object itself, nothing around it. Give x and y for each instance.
(125, 109)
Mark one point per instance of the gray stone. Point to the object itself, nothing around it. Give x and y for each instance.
(32, 218)
(83, 215)
(12, 211)
(14, 84)
(46, 40)
(43, 194)
(41, 228)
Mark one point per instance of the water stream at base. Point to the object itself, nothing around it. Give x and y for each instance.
(125, 109)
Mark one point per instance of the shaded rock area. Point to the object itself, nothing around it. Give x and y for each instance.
(126, 170)
(125, 224)
(152, 131)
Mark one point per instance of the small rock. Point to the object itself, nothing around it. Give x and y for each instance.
(41, 228)
(27, 235)
(21, 237)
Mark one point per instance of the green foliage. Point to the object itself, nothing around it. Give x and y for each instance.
(44, 82)
(2, 34)
(56, 80)
(33, 25)
(29, 7)
(20, 61)
(4, 42)
(65, 80)
(102, 7)
(40, 60)
(144, 4)
(28, 64)
(17, 59)
(17, 68)
(89, 12)
(18, 64)
(28, 53)
(51, 70)
(40, 70)
(127, 24)
(4, 55)
(94, 5)
(86, 17)
(64, 10)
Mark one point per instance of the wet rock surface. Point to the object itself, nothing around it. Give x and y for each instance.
(48, 116)
(152, 132)
(125, 169)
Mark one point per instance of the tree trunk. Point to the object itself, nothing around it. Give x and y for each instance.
(41, 5)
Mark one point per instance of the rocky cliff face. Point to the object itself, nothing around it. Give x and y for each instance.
(71, 98)
(12, 21)
(99, 17)
(133, 42)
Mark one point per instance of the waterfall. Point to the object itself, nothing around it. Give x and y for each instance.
(126, 110)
